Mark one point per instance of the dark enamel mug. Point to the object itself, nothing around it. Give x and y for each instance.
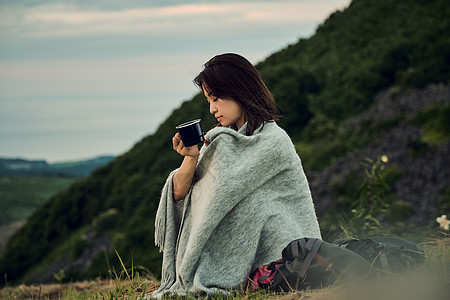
(191, 133)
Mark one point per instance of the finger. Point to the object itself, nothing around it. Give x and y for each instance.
(180, 146)
(176, 140)
(175, 143)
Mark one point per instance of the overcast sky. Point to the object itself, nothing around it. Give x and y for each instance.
(84, 78)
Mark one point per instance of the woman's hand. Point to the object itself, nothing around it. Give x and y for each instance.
(182, 180)
(178, 146)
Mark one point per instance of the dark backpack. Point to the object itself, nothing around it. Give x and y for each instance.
(311, 262)
(385, 253)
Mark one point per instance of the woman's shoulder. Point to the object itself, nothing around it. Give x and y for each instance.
(275, 132)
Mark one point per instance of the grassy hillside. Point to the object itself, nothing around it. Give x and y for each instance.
(25, 185)
(319, 84)
(22, 195)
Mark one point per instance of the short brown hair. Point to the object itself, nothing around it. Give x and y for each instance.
(231, 76)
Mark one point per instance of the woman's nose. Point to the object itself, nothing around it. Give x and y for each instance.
(212, 108)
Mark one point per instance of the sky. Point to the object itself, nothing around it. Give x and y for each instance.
(84, 78)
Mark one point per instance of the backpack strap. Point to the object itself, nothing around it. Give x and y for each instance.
(262, 278)
(295, 250)
(312, 246)
(382, 254)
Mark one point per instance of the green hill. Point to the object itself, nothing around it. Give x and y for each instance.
(18, 166)
(341, 92)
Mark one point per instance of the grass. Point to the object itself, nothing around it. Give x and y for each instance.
(131, 289)
(430, 281)
(94, 289)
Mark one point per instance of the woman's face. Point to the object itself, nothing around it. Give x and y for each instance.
(226, 111)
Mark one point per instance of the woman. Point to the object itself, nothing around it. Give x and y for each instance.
(237, 202)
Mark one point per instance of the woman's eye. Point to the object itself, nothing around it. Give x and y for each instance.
(215, 99)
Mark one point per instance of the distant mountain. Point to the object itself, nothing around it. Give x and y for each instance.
(79, 168)
(372, 80)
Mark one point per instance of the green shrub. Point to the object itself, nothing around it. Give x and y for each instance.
(106, 220)
(372, 200)
(434, 122)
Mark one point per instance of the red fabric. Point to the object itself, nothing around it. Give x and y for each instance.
(263, 271)
(259, 272)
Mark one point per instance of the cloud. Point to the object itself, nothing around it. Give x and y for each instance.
(55, 20)
(124, 76)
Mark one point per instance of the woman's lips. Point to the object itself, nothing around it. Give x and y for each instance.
(219, 119)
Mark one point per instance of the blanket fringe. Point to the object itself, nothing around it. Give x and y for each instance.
(161, 214)
(160, 230)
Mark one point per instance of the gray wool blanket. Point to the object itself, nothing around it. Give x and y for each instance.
(249, 199)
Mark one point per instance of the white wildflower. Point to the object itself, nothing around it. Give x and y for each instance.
(443, 222)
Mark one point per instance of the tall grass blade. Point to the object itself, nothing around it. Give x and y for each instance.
(123, 266)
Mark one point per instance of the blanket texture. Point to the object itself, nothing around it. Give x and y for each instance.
(249, 199)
